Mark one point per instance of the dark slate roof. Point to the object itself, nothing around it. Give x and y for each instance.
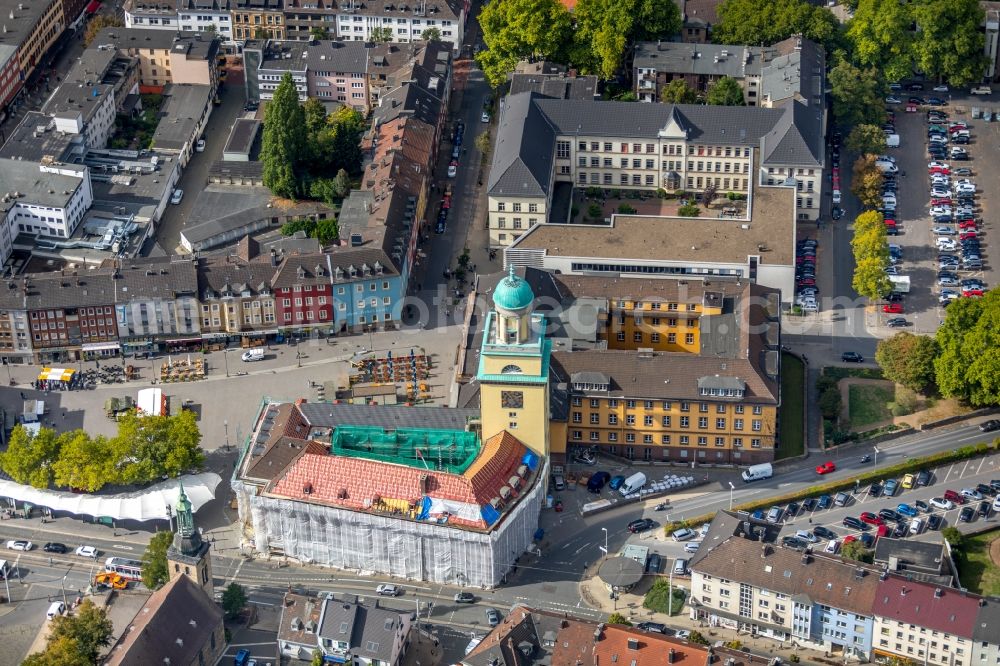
(217, 275)
(173, 626)
(557, 86)
(524, 149)
(688, 58)
(408, 100)
(987, 621)
(369, 630)
(339, 56)
(161, 278)
(325, 415)
(797, 137)
(312, 269)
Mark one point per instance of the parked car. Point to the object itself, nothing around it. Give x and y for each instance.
(387, 590)
(794, 543)
(941, 503)
(984, 509)
(921, 505)
(972, 494)
(492, 617)
(888, 514)
(824, 502)
(852, 357)
(641, 525)
(87, 551)
(871, 518)
(875, 490)
(923, 478)
(683, 534)
(890, 487)
(54, 547)
(465, 598)
(774, 514)
(19, 544)
(966, 515)
(824, 532)
(854, 523)
(907, 510)
(934, 521)
(952, 496)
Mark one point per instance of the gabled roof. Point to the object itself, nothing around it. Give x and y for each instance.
(923, 604)
(174, 625)
(797, 137)
(523, 150)
(370, 631)
(408, 100)
(832, 581)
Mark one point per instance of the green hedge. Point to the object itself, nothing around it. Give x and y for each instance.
(911, 465)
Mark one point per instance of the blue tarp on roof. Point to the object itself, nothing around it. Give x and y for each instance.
(531, 459)
(489, 514)
(425, 508)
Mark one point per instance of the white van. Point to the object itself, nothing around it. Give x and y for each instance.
(832, 546)
(256, 354)
(916, 526)
(892, 141)
(836, 197)
(886, 167)
(633, 484)
(56, 608)
(757, 472)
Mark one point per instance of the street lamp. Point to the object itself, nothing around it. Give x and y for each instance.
(605, 549)
(875, 449)
(225, 357)
(225, 424)
(62, 585)
(731, 489)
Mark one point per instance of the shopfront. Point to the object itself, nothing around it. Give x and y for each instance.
(96, 350)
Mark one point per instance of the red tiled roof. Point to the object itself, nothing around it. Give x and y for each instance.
(645, 649)
(357, 483)
(914, 602)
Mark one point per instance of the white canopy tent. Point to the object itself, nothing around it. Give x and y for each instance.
(148, 504)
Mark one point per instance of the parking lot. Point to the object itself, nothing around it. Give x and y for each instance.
(922, 307)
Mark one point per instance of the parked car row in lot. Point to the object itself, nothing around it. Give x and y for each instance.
(805, 275)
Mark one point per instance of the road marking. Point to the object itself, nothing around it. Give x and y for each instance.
(123, 547)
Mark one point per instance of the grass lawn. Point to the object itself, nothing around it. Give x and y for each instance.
(840, 372)
(792, 427)
(869, 404)
(976, 570)
(656, 599)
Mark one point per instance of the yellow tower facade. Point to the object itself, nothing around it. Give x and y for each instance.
(514, 367)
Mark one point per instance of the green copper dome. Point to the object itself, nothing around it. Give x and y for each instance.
(513, 293)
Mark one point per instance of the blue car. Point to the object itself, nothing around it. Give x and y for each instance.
(824, 502)
(616, 482)
(867, 540)
(891, 486)
(907, 510)
(242, 657)
(758, 514)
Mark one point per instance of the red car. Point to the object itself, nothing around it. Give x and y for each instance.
(967, 234)
(892, 308)
(871, 518)
(889, 222)
(850, 538)
(806, 282)
(967, 224)
(972, 292)
(944, 201)
(941, 170)
(826, 467)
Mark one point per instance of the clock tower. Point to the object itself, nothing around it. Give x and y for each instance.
(188, 554)
(514, 367)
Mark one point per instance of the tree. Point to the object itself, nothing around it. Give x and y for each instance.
(678, 92)
(59, 652)
(83, 462)
(689, 210)
(857, 95)
(317, 658)
(866, 183)
(908, 359)
(431, 35)
(618, 618)
(29, 458)
(697, 638)
(319, 33)
(97, 23)
(866, 140)
(605, 28)
(151, 447)
(870, 279)
(154, 560)
(315, 115)
(341, 183)
(518, 29)
(755, 22)
(968, 364)
(284, 146)
(483, 144)
(830, 403)
(949, 40)
(882, 38)
(953, 537)
(725, 92)
(90, 629)
(856, 550)
(234, 598)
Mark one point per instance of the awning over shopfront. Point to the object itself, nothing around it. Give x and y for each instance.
(56, 375)
(148, 504)
(100, 346)
(184, 341)
(93, 6)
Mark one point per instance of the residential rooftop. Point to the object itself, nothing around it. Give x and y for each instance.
(194, 45)
(33, 186)
(183, 106)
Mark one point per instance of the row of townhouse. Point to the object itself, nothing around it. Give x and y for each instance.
(238, 21)
(150, 306)
(741, 579)
(354, 74)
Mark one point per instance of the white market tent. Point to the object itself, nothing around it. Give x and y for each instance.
(148, 504)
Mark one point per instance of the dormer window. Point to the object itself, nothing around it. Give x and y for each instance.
(319, 270)
(301, 272)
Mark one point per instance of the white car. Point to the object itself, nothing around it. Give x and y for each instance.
(86, 551)
(972, 493)
(388, 590)
(806, 535)
(692, 546)
(940, 88)
(893, 100)
(945, 244)
(176, 197)
(943, 231)
(20, 544)
(940, 210)
(938, 165)
(200, 146)
(996, 503)
(940, 192)
(941, 503)
(886, 158)
(965, 189)
(485, 117)
(453, 169)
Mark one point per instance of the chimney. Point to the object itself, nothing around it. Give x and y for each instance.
(633, 644)
(671, 656)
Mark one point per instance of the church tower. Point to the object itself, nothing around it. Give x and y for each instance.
(188, 555)
(514, 367)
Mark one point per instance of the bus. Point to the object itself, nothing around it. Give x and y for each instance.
(129, 569)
